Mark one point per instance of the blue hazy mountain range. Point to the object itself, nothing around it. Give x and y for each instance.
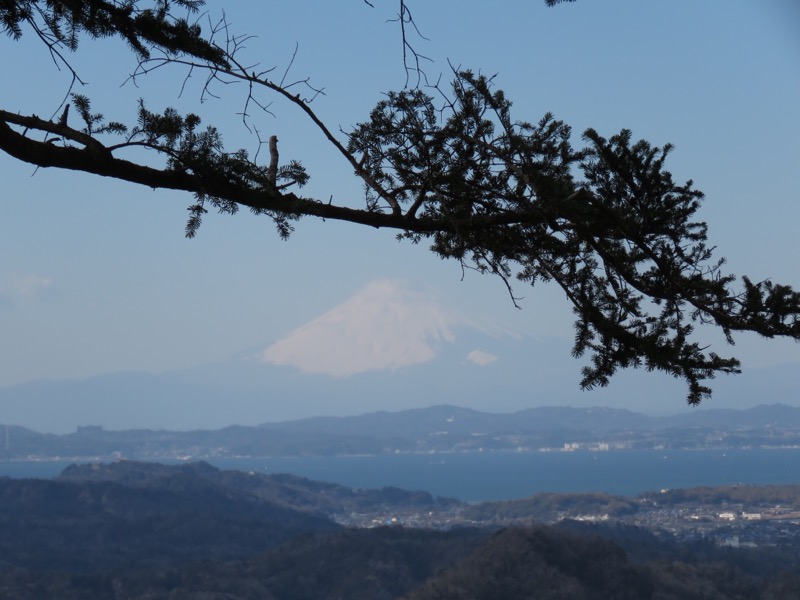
(387, 348)
(246, 392)
(437, 430)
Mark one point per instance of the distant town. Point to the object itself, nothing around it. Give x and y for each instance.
(439, 429)
(727, 516)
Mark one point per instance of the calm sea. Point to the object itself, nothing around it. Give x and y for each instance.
(476, 477)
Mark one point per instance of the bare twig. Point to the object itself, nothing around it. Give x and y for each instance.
(405, 18)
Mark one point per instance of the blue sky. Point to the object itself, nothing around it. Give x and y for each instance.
(96, 276)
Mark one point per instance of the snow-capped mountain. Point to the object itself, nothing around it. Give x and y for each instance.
(383, 326)
(388, 347)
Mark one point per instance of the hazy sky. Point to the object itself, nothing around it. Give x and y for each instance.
(96, 276)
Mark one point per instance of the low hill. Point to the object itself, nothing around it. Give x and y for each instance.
(80, 525)
(546, 563)
(143, 530)
(326, 500)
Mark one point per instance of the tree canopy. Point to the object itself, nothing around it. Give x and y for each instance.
(451, 166)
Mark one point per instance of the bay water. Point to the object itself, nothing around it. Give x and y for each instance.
(481, 476)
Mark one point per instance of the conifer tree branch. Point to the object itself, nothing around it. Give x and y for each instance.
(513, 198)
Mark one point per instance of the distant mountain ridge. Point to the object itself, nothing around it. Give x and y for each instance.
(465, 420)
(387, 348)
(442, 428)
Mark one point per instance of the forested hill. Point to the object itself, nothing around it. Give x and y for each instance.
(176, 516)
(143, 530)
(435, 429)
(282, 490)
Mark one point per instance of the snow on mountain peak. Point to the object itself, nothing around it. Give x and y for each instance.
(481, 358)
(385, 325)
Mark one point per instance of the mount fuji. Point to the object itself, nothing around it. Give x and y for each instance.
(388, 347)
(384, 326)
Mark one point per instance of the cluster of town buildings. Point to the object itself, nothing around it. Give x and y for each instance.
(735, 525)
